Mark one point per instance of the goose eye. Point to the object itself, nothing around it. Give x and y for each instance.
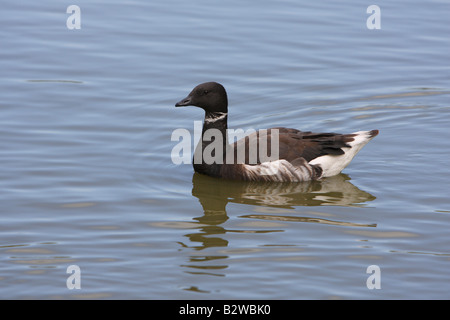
(202, 92)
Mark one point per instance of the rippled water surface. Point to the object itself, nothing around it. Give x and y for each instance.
(86, 177)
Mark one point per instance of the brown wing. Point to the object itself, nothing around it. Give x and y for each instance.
(293, 144)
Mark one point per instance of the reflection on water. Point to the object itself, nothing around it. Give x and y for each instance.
(214, 195)
(422, 92)
(307, 219)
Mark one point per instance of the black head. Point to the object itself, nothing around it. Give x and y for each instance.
(210, 96)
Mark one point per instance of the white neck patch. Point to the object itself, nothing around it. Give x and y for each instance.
(215, 116)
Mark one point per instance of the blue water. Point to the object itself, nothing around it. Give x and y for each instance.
(86, 179)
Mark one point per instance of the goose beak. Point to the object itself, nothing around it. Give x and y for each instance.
(184, 102)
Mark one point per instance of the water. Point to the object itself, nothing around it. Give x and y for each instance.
(87, 179)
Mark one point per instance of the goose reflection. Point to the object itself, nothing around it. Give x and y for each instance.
(214, 195)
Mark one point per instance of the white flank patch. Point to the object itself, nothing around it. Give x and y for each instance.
(278, 171)
(334, 164)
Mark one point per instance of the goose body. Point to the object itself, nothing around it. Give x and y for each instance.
(300, 155)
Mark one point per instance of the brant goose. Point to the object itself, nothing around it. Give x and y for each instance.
(302, 156)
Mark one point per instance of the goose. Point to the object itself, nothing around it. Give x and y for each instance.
(301, 155)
